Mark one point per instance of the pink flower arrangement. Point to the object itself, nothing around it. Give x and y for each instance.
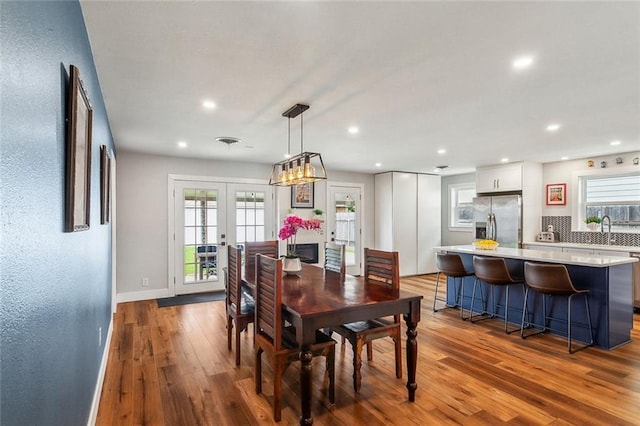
(289, 231)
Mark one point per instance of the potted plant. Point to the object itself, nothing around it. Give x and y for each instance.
(289, 232)
(592, 222)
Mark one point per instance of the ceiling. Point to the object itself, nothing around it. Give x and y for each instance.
(414, 77)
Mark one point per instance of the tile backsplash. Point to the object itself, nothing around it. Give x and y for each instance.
(562, 224)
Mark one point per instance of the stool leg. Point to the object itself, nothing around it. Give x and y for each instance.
(435, 295)
(586, 302)
(484, 303)
(462, 300)
(524, 311)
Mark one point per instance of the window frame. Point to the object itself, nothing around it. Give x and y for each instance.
(578, 209)
(452, 191)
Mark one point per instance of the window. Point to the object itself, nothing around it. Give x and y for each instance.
(461, 206)
(617, 196)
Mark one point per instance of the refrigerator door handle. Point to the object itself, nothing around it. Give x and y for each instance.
(494, 228)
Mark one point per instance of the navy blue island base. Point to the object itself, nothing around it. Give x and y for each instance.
(608, 278)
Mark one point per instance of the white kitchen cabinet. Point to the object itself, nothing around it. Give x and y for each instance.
(543, 248)
(503, 178)
(407, 219)
(575, 250)
(611, 253)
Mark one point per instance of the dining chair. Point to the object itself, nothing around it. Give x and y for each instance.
(380, 268)
(240, 305)
(553, 280)
(268, 248)
(334, 261)
(275, 340)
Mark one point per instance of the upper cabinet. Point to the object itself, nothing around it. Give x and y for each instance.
(499, 178)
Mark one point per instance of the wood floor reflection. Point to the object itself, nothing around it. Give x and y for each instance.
(170, 366)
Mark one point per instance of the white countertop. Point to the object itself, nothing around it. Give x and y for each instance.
(600, 247)
(591, 260)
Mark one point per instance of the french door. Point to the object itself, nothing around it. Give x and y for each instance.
(344, 217)
(207, 216)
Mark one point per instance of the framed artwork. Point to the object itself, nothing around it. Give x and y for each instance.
(556, 194)
(105, 185)
(302, 196)
(78, 155)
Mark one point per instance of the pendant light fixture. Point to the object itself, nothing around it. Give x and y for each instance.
(305, 167)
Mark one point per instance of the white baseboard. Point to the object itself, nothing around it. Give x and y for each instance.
(134, 296)
(97, 393)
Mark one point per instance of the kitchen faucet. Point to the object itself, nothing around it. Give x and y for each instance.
(609, 229)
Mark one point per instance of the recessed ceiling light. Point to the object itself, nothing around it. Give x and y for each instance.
(442, 151)
(504, 160)
(354, 130)
(553, 127)
(287, 155)
(437, 170)
(615, 143)
(522, 62)
(208, 104)
(378, 164)
(182, 144)
(564, 158)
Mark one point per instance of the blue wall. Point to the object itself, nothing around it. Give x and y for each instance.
(55, 286)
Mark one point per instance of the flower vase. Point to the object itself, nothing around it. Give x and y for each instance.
(291, 265)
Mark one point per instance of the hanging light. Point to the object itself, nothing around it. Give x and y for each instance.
(299, 168)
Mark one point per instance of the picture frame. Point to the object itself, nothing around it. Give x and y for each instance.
(105, 185)
(556, 194)
(302, 196)
(78, 154)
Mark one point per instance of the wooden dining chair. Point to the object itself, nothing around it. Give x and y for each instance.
(279, 342)
(268, 248)
(240, 305)
(334, 261)
(380, 268)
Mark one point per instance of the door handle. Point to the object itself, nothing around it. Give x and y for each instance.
(222, 244)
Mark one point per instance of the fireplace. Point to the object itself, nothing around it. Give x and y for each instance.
(308, 252)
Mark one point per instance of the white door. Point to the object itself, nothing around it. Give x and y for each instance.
(200, 236)
(344, 215)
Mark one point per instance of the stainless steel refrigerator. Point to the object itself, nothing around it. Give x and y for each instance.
(499, 218)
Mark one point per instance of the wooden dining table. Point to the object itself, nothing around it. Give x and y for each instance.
(315, 299)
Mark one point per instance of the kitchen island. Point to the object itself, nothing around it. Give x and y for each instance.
(608, 278)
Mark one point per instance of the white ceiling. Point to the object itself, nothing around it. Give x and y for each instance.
(415, 77)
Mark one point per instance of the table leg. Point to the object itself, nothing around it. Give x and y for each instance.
(412, 356)
(305, 385)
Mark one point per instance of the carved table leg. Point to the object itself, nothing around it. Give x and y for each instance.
(412, 357)
(305, 385)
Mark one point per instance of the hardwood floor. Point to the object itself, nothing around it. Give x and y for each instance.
(170, 366)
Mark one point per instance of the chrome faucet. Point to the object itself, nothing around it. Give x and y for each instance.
(609, 228)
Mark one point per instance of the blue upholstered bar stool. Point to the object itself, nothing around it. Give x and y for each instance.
(494, 272)
(552, 280)
(451, 265)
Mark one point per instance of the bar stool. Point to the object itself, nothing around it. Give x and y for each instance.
(451, 265)
(493, 271)
(552, 280)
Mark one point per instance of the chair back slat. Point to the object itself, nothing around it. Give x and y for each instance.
(268, 319)
(267, 248)
(234, 275)
(334, 259)
(382, 267)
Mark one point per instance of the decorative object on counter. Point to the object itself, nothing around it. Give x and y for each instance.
(306, 167)
(78, 160)
(603, 164)
(592, 222)
(619, 160)
(636, 161)
(556, 194)
(485, 244)
(289, 232)
(590, 163)
(302, 196)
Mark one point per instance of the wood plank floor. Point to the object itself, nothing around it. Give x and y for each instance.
(170, 366)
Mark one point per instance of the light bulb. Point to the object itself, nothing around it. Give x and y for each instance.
(290, 175)
(309, 170)
(299, 172)
(282, 177)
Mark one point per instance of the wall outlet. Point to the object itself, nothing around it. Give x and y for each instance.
(145, 282)
(99, 336)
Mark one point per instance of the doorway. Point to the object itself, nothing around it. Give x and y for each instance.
(344, 217)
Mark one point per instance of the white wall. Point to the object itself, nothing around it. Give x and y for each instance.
(142, 232)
